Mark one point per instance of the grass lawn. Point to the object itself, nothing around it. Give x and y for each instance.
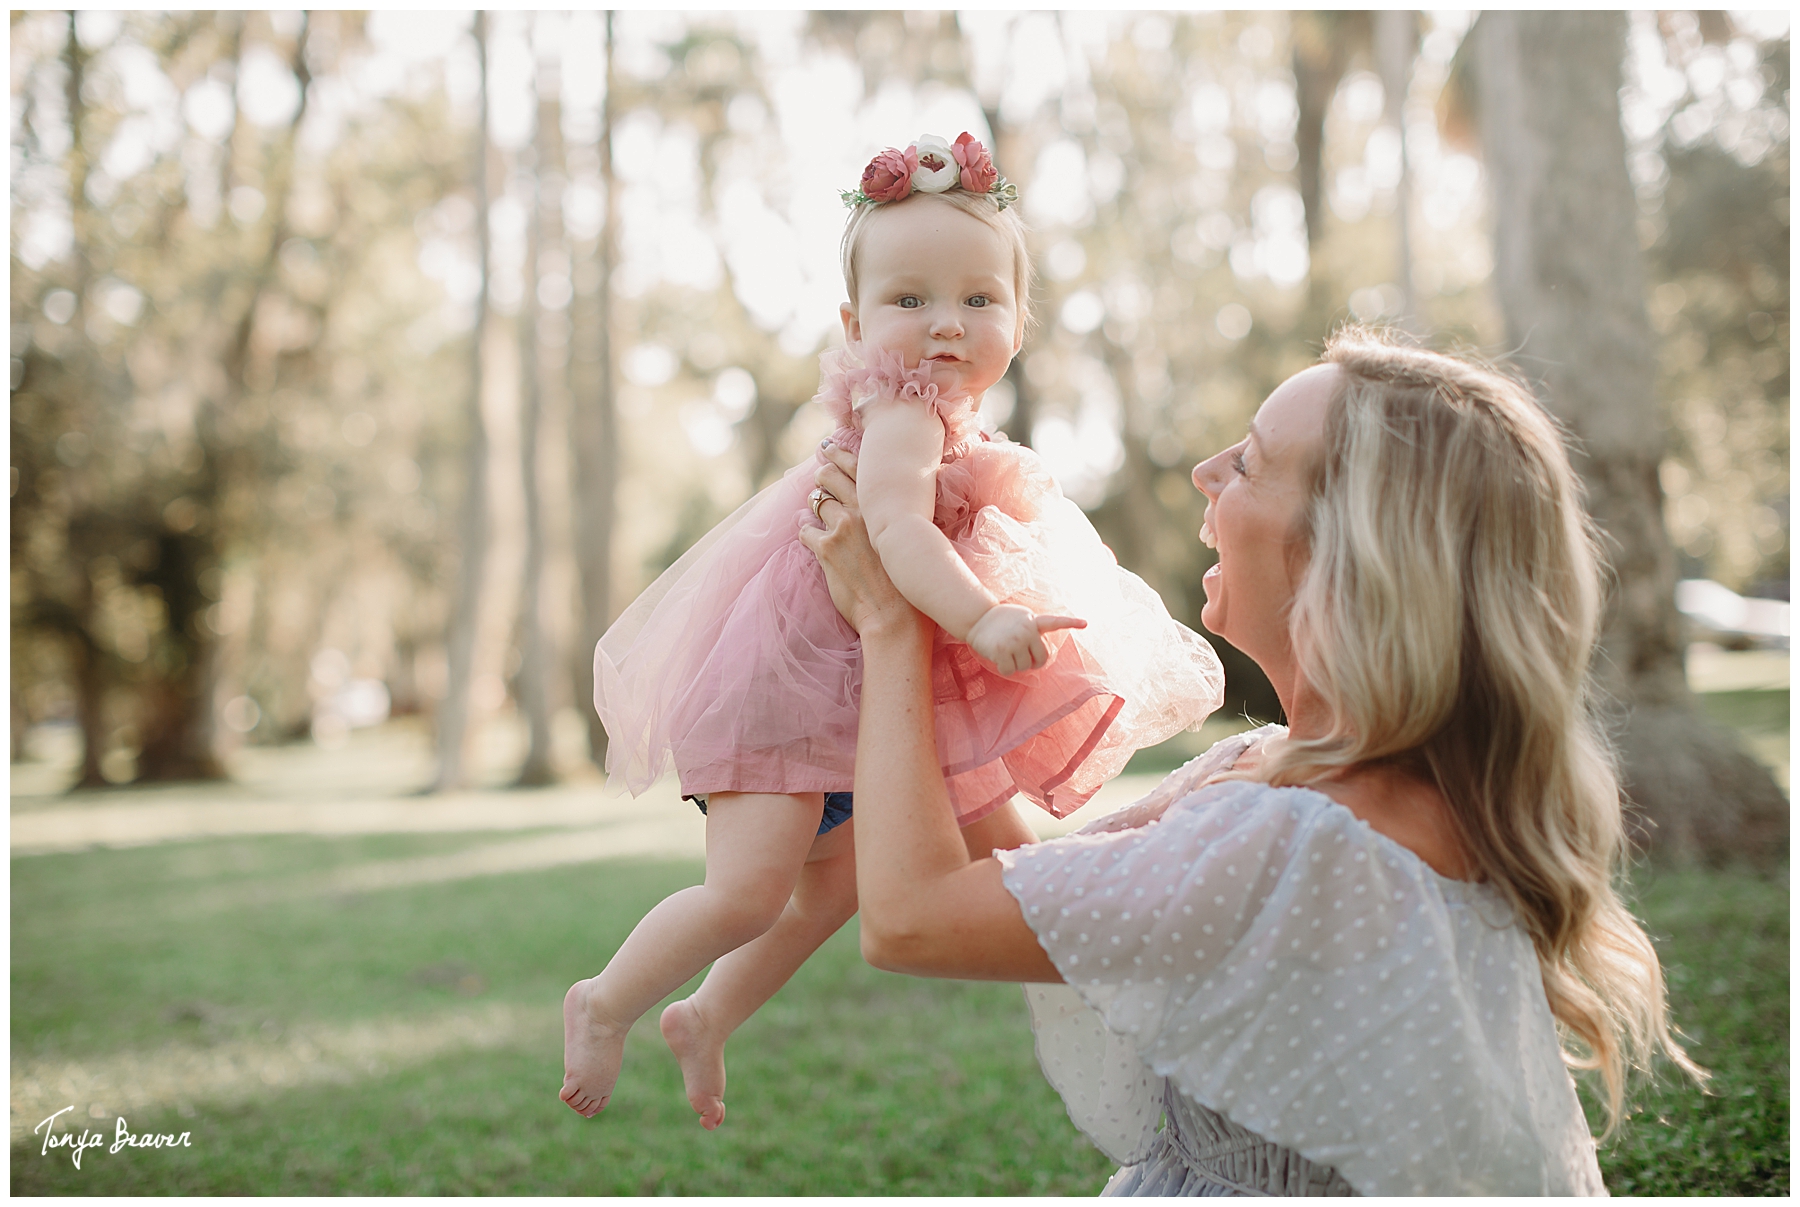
(1723, 939)
(408, 1041)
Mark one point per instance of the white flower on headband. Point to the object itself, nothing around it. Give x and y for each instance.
(938, 170)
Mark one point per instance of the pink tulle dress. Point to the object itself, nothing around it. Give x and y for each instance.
(735, 666)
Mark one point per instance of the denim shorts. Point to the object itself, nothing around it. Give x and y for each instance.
(837, 810)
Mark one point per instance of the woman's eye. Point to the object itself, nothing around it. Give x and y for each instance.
(1237, 461)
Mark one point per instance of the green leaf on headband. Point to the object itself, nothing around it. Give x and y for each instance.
(1004, 192)
(854, 197)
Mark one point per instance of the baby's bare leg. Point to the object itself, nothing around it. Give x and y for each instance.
(696, 1028)
(756, 845)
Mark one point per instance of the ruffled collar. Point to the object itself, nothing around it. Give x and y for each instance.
(855, 375)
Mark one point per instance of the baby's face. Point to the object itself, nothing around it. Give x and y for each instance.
(935, 285)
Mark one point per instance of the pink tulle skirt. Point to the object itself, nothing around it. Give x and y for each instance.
(735, 666)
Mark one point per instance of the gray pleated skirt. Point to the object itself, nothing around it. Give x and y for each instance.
(1201, 1154)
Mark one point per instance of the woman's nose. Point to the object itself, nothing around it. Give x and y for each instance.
(1205, 476)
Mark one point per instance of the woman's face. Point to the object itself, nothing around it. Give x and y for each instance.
(1255, 494)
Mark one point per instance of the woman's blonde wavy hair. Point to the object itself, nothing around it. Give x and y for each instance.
(1446, 618)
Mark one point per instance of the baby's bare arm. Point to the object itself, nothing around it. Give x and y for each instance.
(897, 484)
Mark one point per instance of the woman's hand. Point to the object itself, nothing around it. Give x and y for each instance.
(927, 908)
(860, 587)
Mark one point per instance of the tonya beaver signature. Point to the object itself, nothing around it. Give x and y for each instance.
(123, 1137)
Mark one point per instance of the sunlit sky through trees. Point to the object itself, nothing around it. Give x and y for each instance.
(1158, 159)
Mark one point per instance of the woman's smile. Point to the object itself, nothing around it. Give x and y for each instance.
(1255, 491)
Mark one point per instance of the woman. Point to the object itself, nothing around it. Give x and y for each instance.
(1340, 957)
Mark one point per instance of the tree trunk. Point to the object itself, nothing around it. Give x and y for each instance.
(1570, 280)
(179, 733)
(459, 642)
(532, 686)
(1322, 45)
(91, 678)
(178, 709)
(1396, 40)
(594, 431)
(91, 681)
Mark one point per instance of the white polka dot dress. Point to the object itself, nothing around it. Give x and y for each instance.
(1303, 983)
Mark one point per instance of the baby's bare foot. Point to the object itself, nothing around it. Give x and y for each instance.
(702, 1059)
(593, 1049)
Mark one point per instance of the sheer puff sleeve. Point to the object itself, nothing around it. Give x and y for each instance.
(855, 377)
(1284, 965)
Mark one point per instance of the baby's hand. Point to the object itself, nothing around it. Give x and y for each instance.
(1010, 637)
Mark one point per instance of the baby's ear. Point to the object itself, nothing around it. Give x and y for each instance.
(852, 328)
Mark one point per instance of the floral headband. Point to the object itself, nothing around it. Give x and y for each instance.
(932, 165)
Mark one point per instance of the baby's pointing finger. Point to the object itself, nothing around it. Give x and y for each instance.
(1046, 624)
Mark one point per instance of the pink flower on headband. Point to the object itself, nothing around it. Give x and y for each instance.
(889, 175)
(932, 165)
(978, 171)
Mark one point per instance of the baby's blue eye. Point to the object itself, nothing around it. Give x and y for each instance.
(980, 299)
(910, 303)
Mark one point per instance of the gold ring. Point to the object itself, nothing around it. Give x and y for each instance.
(817, 499)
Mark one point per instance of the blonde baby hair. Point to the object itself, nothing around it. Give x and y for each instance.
(1005, 220)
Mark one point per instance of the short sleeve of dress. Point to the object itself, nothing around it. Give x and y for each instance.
(1287, 967)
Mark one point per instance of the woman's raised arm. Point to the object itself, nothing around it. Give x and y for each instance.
(927, 909)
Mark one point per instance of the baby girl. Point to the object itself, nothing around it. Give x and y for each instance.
(735, 666)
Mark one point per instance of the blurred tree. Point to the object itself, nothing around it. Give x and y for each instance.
(1324, 44)
(234, 463)
(593, 420)
(147, 533)
(532, 684)
(472, 527)
(1395, 41)
(1570, 278)
(1713, 190)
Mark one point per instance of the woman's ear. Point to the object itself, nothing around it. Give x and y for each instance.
(852, 328)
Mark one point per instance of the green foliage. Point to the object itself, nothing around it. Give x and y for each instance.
(851, 1081)
(1719, 299)
(226, 381)
(237, 351)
